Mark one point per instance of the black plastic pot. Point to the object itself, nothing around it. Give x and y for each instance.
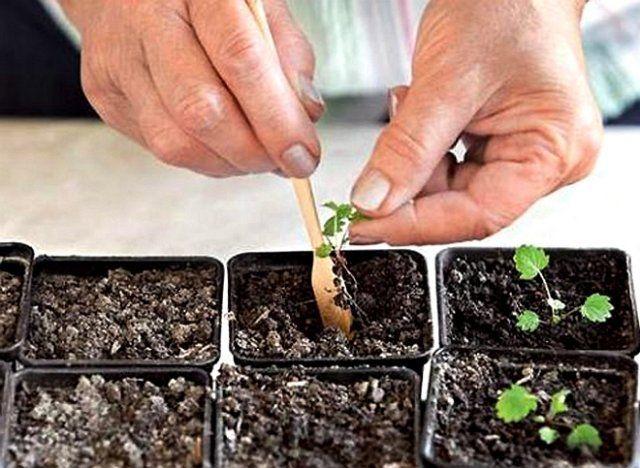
(596, 364)
(337, 375)
(89, 266)
(447, 327)
(273, 261)
(56, 377)
(17, 259)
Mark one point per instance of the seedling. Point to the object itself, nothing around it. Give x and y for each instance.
(530, 261)
(334, 232)
(517, 403)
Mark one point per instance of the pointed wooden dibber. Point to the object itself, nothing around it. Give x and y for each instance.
(323, 279)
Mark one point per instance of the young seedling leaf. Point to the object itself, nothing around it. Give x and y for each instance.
(344, 210)
(584, 435)
(548, 435)
(528, 321)
(538, 418)
(515, 404)
(331, 205)
(559, 402)
(597, 308)
(332, 226)
(324, 251)
(356, 217)
(530, 261)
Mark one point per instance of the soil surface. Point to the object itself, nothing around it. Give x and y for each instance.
(468, 432)
(96, 423)
(295, 419)
(484, 296)
(168, 313)
(277, 315)
(10, 291)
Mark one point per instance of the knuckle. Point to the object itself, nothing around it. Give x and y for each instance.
(398, 143)
(242, 55)
(548, 163)
(199, 109)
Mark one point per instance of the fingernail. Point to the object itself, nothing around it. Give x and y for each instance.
(363, 240)
(371, 191)
(392, 103)
(299, 162)
(309, 91)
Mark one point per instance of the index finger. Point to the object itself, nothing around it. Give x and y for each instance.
(250, 68)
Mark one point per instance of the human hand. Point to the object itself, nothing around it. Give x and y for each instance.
(196, 83)
(510, 78)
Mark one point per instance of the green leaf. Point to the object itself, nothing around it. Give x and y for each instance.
(559, 402)
(515, 404)
(324, 251)
(548, 435)
(344, 210)
(331, 205)
(584, 435)
(538, 418)
(597, 308)
(357, 217)
(332, 226)
(528, 321)
(530, 261)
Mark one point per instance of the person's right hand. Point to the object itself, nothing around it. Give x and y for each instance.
(196, 83)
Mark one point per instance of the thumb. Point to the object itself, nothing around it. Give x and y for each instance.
(296, 56)
(426, 122)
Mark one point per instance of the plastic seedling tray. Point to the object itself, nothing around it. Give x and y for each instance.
(264, 263)
(57, 377)
(99, 266)
(459, 325)
(600, 367)
(336, 375)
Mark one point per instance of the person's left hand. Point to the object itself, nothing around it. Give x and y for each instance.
(509, 77)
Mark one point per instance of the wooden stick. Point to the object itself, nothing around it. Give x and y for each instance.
(322, 273)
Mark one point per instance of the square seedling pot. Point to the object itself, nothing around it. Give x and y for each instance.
(17, 259)
(57, 377)
(462, 429)
(479, 293)
(100, 266)
(337, 375)
(297, 265)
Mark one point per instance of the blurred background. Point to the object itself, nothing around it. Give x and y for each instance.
(71, 185)
(362, 48)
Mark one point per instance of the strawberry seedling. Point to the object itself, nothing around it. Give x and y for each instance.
(517, 403)
(530, 262)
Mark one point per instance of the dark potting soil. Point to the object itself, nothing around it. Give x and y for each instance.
(484, 295)
(277, 315)
(164, 313)
(467, 431)
(101, 423)
(295, 419)
(10, 290)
